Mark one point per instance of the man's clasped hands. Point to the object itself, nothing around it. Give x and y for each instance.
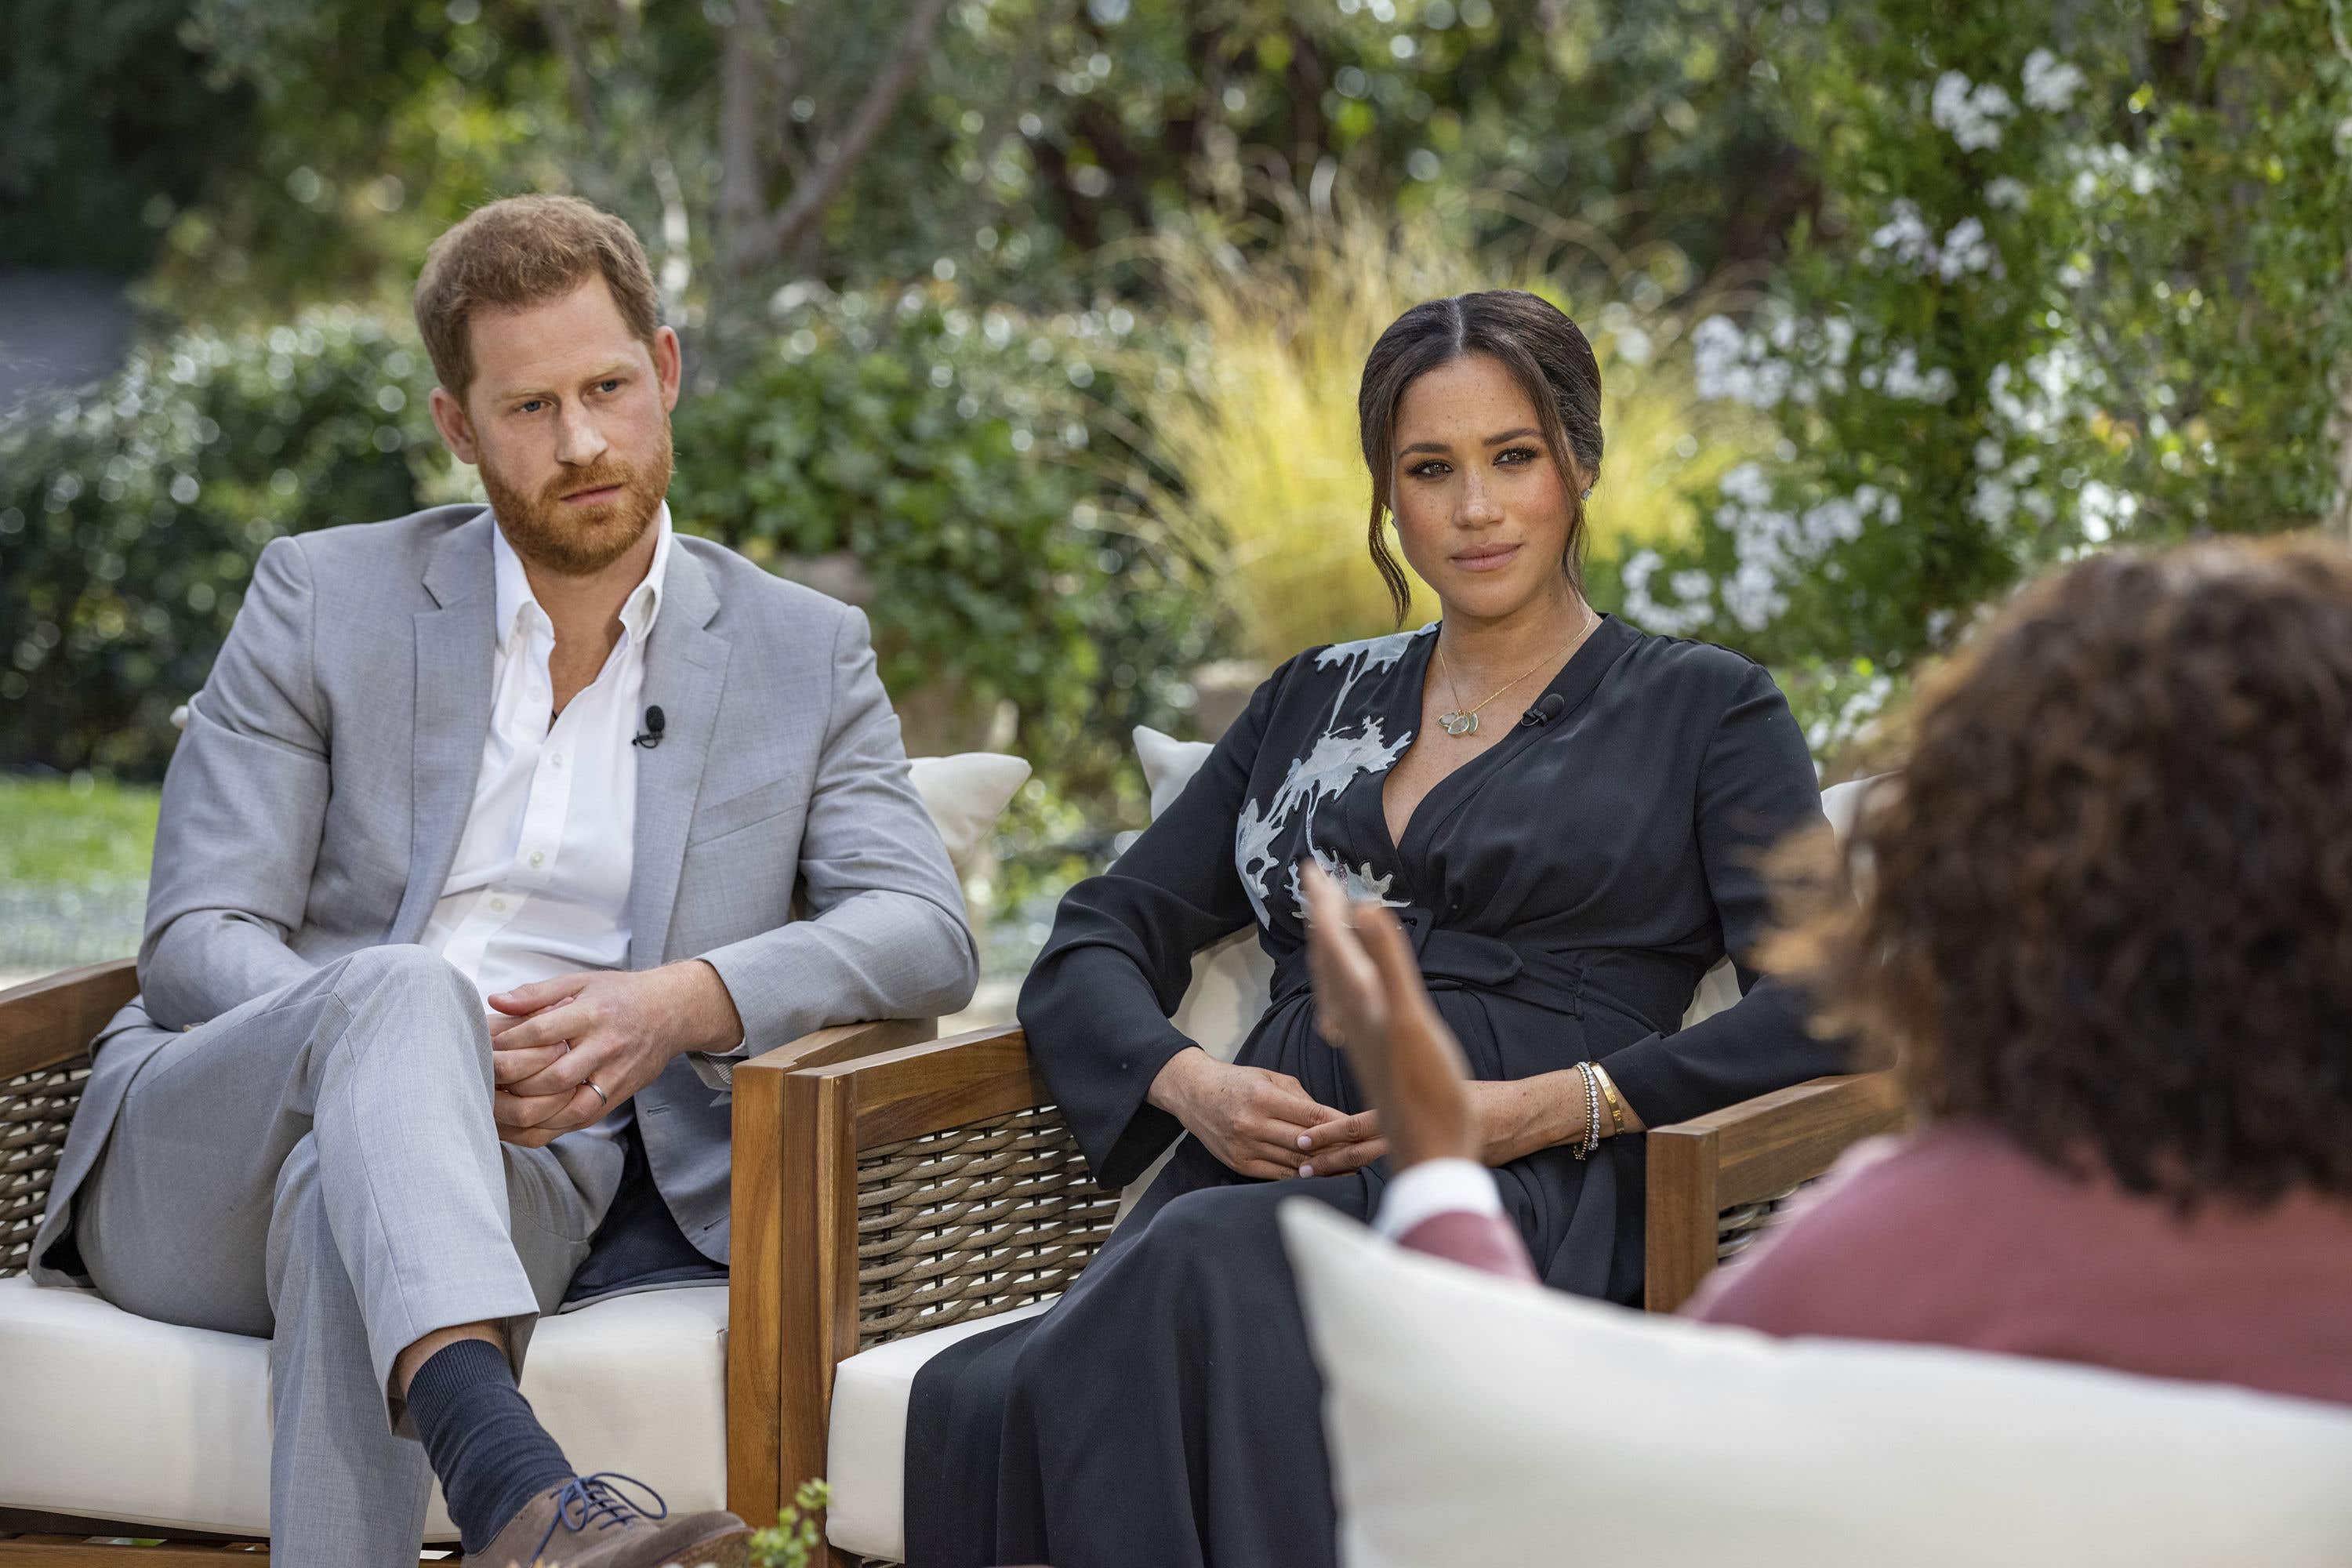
(566, 1051)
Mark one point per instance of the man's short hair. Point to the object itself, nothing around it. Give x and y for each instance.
(520, 252)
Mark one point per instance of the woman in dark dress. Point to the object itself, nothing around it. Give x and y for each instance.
(1565, 816)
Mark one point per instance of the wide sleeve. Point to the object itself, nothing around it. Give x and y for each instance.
(1756, 786)
(244, 803)
(887, 936)
(1096, 1004)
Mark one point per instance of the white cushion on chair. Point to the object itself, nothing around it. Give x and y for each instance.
(865, 1454)
(1474, 1419)
(114, 1416)
(1719, 987)
(1231, 978)
(965, 794)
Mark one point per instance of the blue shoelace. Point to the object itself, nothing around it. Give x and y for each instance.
(596, 1500)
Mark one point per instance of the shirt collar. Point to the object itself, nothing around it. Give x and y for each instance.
(638, 611)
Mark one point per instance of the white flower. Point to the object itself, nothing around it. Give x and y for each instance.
(1747, 485)
(1838, 338)
(1971, 113)
(1965, 250)
(2006, 193)
(2051, 83)
(2102, 509)
(1753, 598)
(1906, 236)
(1671, 620)
(1994, 503)
(1902, 377)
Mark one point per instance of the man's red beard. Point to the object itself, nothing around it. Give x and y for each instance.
(576, 540)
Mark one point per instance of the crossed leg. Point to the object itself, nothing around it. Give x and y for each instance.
(320, 1166)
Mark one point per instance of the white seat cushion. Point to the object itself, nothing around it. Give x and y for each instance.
(1475, 1419)
(866, 1456)
(115, 1417)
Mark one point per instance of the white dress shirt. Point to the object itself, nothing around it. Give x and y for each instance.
(1434, 1187)
(541, 885)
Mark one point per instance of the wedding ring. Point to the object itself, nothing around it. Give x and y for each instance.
(600, 1093)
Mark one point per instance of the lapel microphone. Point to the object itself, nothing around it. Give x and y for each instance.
(1546, 709)
(653, 735)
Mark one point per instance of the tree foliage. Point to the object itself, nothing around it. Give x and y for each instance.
(109, 124)
(2074, 284)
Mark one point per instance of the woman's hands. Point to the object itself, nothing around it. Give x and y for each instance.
(1254, 1121)
(1370, 1002)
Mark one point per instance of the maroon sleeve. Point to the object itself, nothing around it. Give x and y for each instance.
(1486, 1242)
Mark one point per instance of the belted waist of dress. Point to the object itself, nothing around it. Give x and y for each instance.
(1650, 986)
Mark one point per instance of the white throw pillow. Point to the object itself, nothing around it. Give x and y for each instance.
(965, 794)
(1719, 987)
(1476, 1419)
(1231, 978)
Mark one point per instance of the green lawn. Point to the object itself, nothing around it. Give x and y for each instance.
(55, 833)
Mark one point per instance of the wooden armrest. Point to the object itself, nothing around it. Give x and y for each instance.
(842, 1043)
(51, 1020)
(1746, 1153)
(799, 1123)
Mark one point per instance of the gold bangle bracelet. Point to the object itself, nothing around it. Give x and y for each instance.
(1616, 1109)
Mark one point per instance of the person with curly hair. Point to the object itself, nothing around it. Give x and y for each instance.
(2102, 921)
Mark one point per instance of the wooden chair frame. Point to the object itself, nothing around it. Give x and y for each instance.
(804, 1116)
(50, 1022)
(1712, 1182)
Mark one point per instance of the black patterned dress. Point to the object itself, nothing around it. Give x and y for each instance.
(1565, 890)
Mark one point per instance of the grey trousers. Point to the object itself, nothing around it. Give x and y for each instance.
(320, 1166)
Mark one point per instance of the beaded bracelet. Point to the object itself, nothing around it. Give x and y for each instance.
(1591, 1112)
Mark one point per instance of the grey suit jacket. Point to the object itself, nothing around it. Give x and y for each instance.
(314, 806)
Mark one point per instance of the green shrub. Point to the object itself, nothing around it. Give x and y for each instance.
(951, 453)
(2077, 280)
(958, 456)
(130, 517)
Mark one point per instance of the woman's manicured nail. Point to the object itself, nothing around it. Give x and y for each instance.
(1306, 1169)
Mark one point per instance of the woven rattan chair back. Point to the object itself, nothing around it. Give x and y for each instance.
(36, 1109)
(985, 1218)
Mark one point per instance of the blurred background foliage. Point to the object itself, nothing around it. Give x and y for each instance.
(1036, 323)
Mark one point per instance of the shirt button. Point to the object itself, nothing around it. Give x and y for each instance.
(497, 906)
(557, 759)
(538, 858)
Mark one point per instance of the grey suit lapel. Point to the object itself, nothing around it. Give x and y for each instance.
(454, 654)
(685, 673)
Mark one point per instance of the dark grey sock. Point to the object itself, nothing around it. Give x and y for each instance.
(490, 1452)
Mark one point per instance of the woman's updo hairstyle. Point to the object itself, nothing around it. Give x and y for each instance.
(1546, 355)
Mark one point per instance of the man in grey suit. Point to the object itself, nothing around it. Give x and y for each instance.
(477, 867)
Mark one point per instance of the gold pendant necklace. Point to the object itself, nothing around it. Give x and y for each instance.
(1462, 723)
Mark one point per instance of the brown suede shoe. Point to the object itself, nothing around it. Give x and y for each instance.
(588, 1522)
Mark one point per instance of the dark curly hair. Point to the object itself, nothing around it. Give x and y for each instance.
(2108, 903)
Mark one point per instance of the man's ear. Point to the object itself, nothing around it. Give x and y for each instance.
(669, 363)
(456, 430)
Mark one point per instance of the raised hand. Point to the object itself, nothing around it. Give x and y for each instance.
(1370, 1002)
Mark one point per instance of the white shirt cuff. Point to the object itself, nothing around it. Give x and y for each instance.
(1431, 1188)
